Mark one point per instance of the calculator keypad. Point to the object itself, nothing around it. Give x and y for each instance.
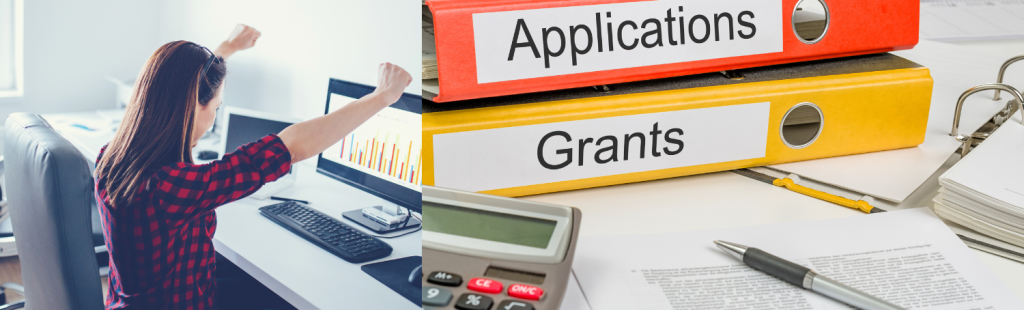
(477, 300)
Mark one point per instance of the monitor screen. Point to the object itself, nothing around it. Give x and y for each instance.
(244, 129)
(382, 156)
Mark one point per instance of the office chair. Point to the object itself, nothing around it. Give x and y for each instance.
(50, 190)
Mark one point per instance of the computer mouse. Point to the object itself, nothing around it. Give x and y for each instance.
(208, 155)
(416, 276)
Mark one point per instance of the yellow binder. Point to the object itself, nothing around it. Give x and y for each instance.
(605, 135)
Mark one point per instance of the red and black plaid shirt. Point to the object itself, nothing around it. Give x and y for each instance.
(160, 245)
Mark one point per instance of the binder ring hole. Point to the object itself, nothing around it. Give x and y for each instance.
(801, 125)
(810, 20)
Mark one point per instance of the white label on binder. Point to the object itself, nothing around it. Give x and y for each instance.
(536, 154)
(515, 45)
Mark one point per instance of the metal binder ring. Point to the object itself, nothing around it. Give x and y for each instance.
(983, 87)
(1002, 70)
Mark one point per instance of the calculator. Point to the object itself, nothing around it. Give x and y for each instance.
(483, 252)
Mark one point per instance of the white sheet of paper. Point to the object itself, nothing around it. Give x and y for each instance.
(907, 257)
(993, 170)
(574, 299)
(894, 175)
(963, 20)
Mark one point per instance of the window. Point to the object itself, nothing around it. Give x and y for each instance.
(11, 70)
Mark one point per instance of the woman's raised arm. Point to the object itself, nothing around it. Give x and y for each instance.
(243, 37)
(309, 138)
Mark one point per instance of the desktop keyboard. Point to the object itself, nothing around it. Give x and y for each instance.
(327, 232)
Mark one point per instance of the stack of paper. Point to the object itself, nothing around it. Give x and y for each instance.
(985, 190)
(429, 49)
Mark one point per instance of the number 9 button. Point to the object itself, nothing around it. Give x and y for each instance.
(435, 296)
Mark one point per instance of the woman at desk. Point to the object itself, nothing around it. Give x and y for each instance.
(157, 206)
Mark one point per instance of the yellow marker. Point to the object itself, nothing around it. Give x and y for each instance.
(791, 185)
(849, 203)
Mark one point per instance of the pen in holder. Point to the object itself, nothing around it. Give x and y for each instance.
(968, 140)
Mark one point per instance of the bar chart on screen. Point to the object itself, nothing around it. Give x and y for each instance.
(388, 145)
(384, 152)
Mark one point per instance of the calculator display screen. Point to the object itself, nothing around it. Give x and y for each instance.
(487, 225)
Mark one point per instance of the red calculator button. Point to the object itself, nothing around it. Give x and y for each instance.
(484, 285)
(525, 291)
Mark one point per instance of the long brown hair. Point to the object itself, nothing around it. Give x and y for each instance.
(157, 126)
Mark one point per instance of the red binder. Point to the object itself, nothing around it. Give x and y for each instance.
(488, 48)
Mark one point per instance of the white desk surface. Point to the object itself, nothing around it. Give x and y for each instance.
(706, 201)
(300, 272)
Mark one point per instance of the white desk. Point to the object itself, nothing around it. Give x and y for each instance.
(300, 272)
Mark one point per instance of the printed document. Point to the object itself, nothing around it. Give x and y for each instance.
(908, 257)
(962, 20)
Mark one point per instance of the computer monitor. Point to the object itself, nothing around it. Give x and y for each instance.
(382, 156)
(242, 126)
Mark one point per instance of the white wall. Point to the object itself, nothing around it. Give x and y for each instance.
(71, 45)
(304, 43)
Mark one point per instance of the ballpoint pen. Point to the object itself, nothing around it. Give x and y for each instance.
(288, 199)
(804, 277)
